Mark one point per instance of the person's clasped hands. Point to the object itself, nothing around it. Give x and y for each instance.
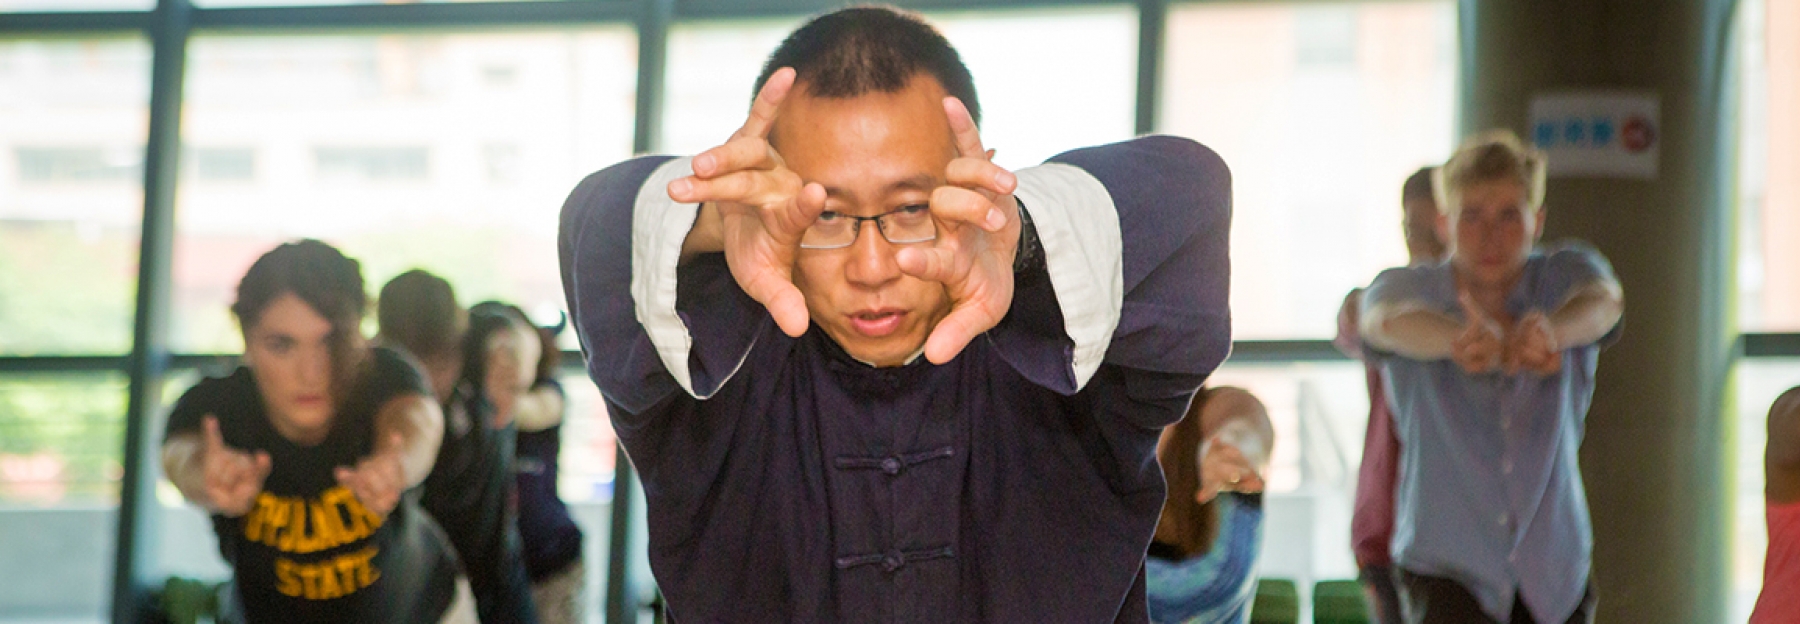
(1485, 345)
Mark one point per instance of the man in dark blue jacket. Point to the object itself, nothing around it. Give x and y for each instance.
(868, 375)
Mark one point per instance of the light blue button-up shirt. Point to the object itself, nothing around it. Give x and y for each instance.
(1489, 492)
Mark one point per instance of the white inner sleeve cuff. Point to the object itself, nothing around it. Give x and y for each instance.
(1079, 227)
(658, 227)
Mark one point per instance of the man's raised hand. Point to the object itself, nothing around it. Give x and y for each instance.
(763, 207)
(978, 234)
(1480, 346)
(378, 480)
(1531, 346)
(233, 477)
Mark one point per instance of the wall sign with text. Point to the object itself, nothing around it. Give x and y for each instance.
(1598, 134)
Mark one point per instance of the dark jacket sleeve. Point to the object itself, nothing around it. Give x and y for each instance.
(1173, 201)
(595, 245)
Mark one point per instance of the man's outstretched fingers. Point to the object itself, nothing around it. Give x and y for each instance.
(961, 205)
(768, 101)
(927, 263)
(962, 127)
(983, 174)
(784, 301)
(738, 154)
(741, 187)
(954, 333)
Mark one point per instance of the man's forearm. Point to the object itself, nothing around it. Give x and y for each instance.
(1416, 334)
(1589, 315)
(420, 425)
(538, 410)
(181, 464)
(708, 235)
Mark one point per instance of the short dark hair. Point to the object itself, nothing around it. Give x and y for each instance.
(417, 311)
(862, 49)
(1417, 186)
(330, 283)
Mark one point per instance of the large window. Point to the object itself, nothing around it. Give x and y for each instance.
(72, 126)
(452, 153)
(1322, 110)
(72, 130)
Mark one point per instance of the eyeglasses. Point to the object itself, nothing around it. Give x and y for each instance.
(835, 230)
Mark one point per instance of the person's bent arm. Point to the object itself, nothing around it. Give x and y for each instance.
(1237, 438)
(1592, 312)
(181, 454)
(1133, 271)
(418, 424)
(539, 409)
(658, 311)
(210, 474)
(1412, 332)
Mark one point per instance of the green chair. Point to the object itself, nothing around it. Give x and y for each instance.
(1277, 602)
(1339, 602)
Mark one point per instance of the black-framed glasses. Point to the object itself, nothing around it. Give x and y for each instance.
(835, 230)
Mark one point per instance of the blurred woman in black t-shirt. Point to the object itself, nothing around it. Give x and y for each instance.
(304, 456)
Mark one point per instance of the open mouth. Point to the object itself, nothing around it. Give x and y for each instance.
(877, 323)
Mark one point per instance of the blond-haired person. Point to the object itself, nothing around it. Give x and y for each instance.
(1490, 358)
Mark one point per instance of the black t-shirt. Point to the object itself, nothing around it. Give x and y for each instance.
(308, 551)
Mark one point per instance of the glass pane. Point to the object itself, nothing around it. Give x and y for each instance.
(711, 72)
(73, 116)
(1759, 381)
(1037, 98)
(448, 152)
(33, 6)
(266, 3)
(60, 441)
(1322, 110)
(1769, 141)
(1039, 95)
(586, 480)
(1320, 411)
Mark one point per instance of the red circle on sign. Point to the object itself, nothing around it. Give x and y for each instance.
(1637, 135)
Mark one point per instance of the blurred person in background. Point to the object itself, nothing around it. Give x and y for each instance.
(1490, 360)
(1201, 565)
(471, 489)
(1779, 601)
(532, 398)
(303, 456)
(1372, 521)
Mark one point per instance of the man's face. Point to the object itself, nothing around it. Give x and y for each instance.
(289, 354)
(874, 153)
(1492, 229)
